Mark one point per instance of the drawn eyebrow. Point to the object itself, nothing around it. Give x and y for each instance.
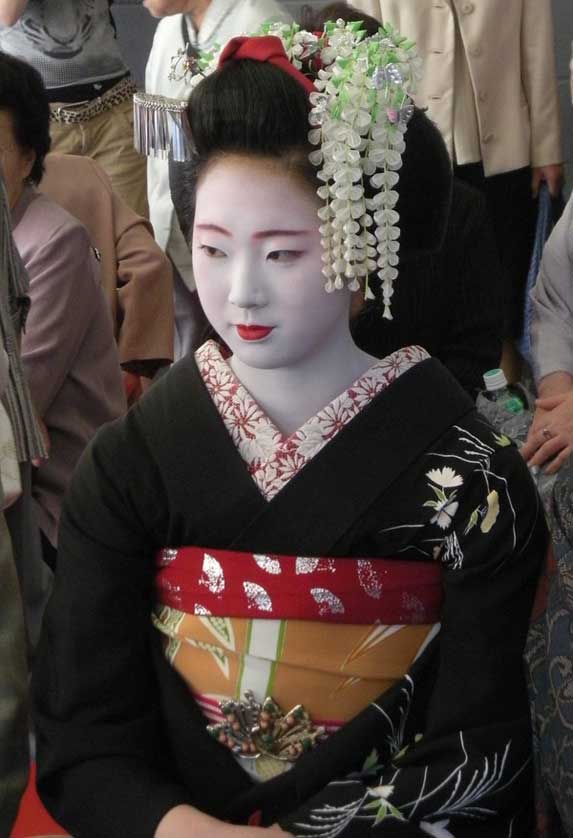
(267, 234)
(261, 234)
(214, 228)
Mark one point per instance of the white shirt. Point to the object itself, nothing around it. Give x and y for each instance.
(224, 19)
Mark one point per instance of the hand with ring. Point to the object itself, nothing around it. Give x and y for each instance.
(550, 439)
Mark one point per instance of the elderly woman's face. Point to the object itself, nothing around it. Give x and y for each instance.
(16, 162)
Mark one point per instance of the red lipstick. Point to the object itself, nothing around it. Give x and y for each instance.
(254, 332)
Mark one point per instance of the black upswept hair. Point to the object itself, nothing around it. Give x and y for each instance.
(23, 96)
(255, 109)
(314, 19)
(246, 107)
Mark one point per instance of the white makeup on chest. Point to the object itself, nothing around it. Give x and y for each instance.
(257, 260)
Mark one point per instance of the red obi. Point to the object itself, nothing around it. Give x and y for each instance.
(226, 583)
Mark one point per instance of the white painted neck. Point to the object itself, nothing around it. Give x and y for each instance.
(291, 395)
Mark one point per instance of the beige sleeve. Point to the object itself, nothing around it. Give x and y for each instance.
(144, 289)
(540, 82)
(144, 292)
(552, 296)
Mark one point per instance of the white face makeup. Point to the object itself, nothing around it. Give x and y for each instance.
(257, 262)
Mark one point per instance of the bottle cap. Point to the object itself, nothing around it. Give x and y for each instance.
(494, 380)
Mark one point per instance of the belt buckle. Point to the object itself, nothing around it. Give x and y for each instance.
(252, 730)
(67, 115)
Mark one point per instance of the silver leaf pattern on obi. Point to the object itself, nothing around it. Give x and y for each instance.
(257, 596)
(168, 556)
(213, 577)
(304, 565)
(200, 610)
(369, 579)
(328, 602)
(268, 564)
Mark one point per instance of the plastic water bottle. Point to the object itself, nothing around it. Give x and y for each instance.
(507, 408)
(510, 411)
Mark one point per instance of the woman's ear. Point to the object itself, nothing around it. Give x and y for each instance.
(357, 302)
(28, 158)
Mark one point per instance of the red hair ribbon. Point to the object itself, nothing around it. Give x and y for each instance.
(266, 48)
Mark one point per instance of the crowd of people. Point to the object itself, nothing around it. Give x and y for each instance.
(294, 580)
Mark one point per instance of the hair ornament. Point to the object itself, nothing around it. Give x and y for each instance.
(358, 120)
(360, 91)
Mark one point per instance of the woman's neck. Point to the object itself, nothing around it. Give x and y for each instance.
(292, 395)
(197, 11)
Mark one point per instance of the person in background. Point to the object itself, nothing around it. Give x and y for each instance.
(30, 443)
(490, 85)
(136, 276)
(73, 45)
(68, 350)
(550, 439)
(14, 756)
(191, 25)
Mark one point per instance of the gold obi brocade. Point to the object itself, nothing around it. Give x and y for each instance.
(334, 670)
(328, 634)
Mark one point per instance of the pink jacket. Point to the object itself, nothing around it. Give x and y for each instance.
(135, 274)
(68, 349)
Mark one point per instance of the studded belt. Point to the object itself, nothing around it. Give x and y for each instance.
(83, 112)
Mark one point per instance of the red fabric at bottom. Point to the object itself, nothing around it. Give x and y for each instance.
(33, 820)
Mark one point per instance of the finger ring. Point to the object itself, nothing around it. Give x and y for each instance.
(546, 433)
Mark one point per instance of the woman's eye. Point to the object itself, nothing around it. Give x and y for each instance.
(212, 252)
(284, 255)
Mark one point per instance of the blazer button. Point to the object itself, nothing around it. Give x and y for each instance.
(468, 8)
(482, 96)
(487, 138)
(475, 52)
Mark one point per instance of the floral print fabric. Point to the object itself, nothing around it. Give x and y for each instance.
(550, 663)
(273, 459)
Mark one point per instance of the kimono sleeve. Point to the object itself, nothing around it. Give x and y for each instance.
(99, 736)
(450, 752)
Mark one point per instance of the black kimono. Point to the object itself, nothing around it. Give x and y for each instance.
(416, 474)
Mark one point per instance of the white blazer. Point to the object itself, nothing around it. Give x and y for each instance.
(510, 52)
(225, 19)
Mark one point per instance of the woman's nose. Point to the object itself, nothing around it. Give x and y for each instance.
(245, 288)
